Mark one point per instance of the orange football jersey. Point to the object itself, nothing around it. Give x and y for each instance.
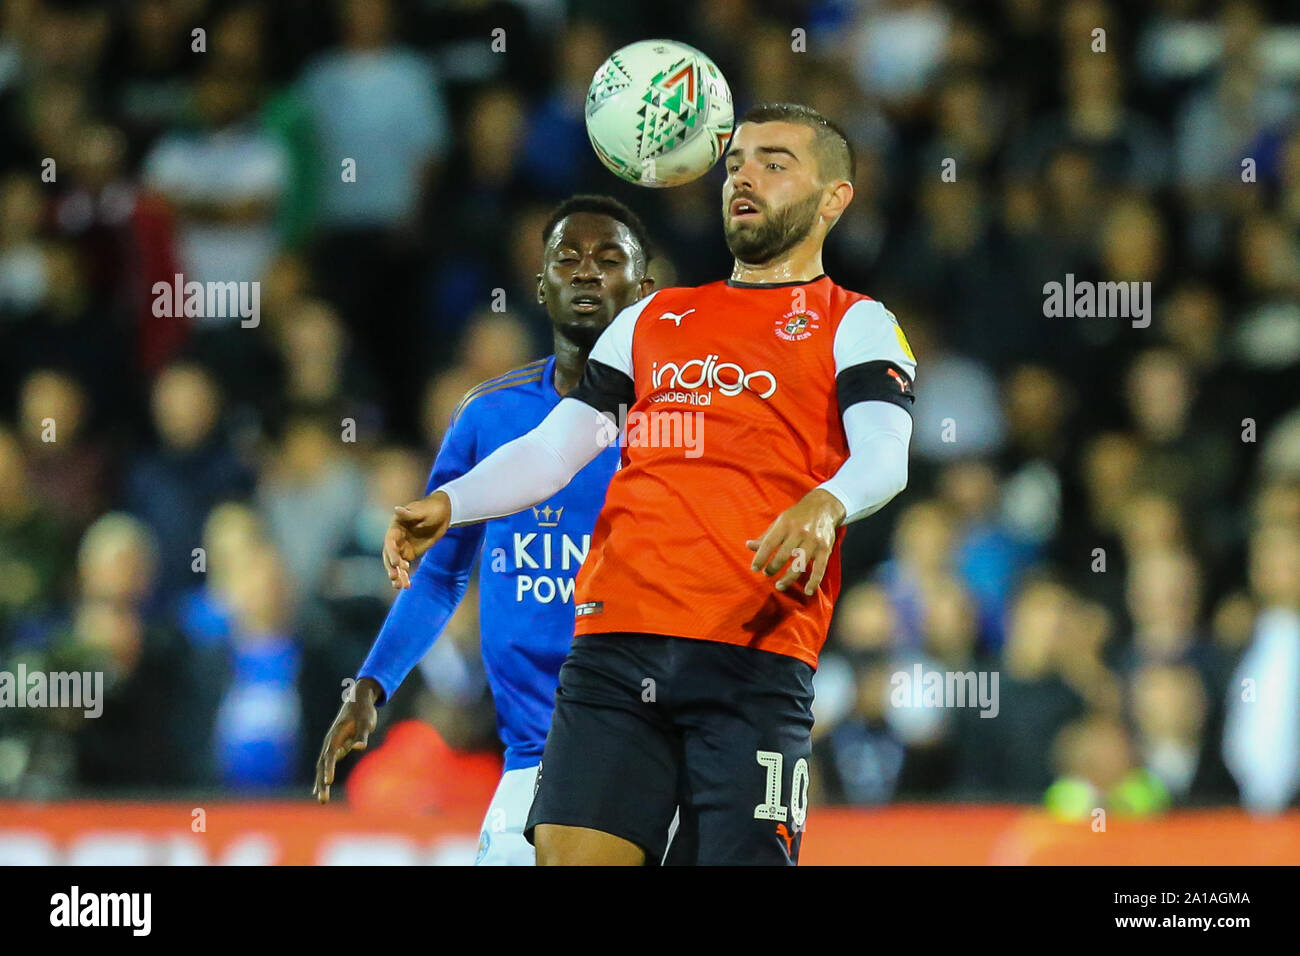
(729, 396)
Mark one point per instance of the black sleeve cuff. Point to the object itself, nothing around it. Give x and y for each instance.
(878, 381)
(605, 389)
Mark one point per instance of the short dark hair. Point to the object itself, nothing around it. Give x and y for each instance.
(601, 206)
(835, 159)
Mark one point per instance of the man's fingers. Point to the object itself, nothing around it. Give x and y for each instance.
(820, 560)
(394, 560)
(794, 572)
(780, 556)
(763, 547)
(412, 516)
(325, 775)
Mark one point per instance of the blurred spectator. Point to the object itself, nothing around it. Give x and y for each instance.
(990, 558)
(923, 553)
(174, 485)
(1171, 714)
(557, 155)
(897, 47)
(1098, 769)
(494, 343)
(68, 469)
(378, 104)
(351, 602)
(1164, 604)
(125, 242)
(34, 542)
(309, 494)
(1012, 755)
(258, 728)
(225, 178)
(1261, 741)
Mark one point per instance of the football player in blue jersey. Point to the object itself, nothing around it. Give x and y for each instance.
(593, 266)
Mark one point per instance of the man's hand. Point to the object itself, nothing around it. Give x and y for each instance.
(807, 527)
(414, 530)
(350, 731)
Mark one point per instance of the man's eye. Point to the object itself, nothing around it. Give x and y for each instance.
(612, 262)
(775, 166)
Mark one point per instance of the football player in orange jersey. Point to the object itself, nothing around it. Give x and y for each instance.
(689, 681)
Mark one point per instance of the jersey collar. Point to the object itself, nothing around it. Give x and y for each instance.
(736, 284)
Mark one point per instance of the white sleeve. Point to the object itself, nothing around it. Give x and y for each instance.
(870, 333)
(874, 371)
(534, 466)
(876, 469)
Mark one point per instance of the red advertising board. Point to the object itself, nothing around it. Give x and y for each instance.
(90, 833)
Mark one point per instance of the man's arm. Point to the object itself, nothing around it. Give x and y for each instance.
(519, 474)
(876, 470)
(874, 370)
(414, 622)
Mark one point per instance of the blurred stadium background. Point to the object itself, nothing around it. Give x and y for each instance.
(1158, 678)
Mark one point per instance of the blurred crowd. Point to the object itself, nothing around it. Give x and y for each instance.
(1104, 514)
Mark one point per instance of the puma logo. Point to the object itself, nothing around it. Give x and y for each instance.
(677, 319)
(787, 836)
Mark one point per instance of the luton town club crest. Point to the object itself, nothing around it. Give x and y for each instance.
(797, 326)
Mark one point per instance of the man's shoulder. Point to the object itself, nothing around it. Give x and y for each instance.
(843, 299)
(524, 382)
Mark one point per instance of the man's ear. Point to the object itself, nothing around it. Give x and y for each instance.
(647, 286)
(837, 202)
(541, 290)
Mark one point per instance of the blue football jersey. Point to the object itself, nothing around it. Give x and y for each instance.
(529, 563)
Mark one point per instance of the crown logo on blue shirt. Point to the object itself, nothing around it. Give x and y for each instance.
(543, 516)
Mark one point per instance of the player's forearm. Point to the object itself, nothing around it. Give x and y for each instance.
(876, 470)
(533, 467)
(414, 623)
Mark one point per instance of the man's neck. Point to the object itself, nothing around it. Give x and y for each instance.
(570, 360)
(797, 265)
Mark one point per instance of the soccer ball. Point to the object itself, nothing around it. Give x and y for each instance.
(659, 113)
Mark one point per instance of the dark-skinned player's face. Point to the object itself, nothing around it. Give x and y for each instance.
(592, 269)
(771, 194)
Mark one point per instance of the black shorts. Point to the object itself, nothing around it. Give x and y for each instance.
(646, 724)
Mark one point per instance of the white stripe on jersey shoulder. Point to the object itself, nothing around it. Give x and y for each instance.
(869, 332)
(614, 347)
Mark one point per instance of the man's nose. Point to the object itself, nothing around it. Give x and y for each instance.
(587, 271)
(742, 179)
